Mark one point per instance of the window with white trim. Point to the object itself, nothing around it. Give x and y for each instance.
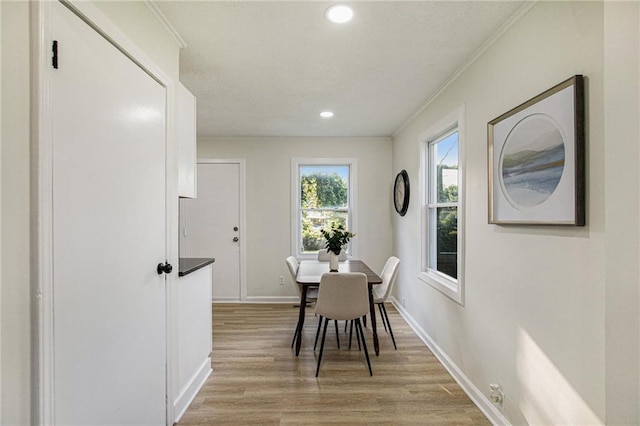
(323, 195)
(442, 221)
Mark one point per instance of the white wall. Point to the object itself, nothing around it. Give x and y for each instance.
(621, 134)
(0, 212)
(140, 25)
(268, 200)
(540, 300)
(14, 249)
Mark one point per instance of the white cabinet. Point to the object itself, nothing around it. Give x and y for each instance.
(192, 364)
(187, 143)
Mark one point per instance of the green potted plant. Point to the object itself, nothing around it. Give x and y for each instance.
(336, 237)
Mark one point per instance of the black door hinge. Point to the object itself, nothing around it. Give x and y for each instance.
(54, 54)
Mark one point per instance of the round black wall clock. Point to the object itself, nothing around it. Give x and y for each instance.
(401, 193)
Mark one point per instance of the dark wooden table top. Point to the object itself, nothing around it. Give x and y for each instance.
(310, 271)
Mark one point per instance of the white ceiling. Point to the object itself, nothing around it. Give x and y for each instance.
(264, 68)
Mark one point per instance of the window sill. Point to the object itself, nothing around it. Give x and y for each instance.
(447, 286)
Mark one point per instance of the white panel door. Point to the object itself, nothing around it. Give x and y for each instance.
(213, 225)
(108, 232)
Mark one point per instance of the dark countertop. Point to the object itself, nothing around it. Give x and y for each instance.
(188, 265)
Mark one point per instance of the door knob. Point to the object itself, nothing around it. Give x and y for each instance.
(235, 239)
(166, 268)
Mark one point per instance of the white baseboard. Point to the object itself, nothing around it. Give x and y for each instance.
(478, 398)
(191, 389)
(272, 299)
(225, 300)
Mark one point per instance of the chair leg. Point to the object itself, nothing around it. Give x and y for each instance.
(295, 334)
(364, 345)
(345, 326)
(382, 316)
(364, 319)
(317, 333)
(351, 336)
(386, 316)
(337, 334)
(324, 334)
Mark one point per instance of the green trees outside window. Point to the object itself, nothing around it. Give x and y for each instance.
(447, 226)
(443, 205)
(324, 201)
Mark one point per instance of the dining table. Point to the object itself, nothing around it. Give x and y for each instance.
(309, 274)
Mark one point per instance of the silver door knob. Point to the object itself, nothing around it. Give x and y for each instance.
(235, 239)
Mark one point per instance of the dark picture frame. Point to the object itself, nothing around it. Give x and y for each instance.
(536, 159)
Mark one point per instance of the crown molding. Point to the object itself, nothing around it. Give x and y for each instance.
(153, 7)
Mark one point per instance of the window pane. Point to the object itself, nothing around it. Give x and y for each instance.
(445, 154)
(324, 187)
(313, 222)
(445, 258)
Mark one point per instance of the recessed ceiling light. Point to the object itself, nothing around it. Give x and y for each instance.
(339, 13)
(326, 114)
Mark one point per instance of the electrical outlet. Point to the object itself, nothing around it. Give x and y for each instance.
(496, 395)
(281, 280)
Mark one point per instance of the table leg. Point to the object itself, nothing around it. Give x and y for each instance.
(303, 304)
(374, 329)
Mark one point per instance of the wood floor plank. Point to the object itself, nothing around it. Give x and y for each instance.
(258, 380)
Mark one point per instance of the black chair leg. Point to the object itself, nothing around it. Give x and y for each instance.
(351, 336)
(345, 326)
(386, 316)
(350, 333)
(382, 316)
(324, 334)
(317, 333)
(337, 334)
(364, 345)
(364, 319)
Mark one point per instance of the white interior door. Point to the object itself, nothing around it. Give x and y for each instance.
(108, 232)
(211, 226)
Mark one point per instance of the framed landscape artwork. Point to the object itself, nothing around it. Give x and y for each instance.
(536, 159)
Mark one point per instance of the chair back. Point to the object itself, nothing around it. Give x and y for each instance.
(292, 264)
(323, 255)
(343, 296)
(389, 274)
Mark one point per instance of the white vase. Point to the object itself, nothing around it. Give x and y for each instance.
(333, 262)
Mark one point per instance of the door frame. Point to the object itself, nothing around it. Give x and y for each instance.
(243, 216)
(42, 409)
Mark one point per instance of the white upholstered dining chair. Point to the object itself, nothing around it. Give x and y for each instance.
(312, 293)
(382, 292)
(343, 296)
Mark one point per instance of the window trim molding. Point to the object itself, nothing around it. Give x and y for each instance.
(454, 289)
(296, 231)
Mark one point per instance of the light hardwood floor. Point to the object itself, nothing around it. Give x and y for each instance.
(257, 379)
